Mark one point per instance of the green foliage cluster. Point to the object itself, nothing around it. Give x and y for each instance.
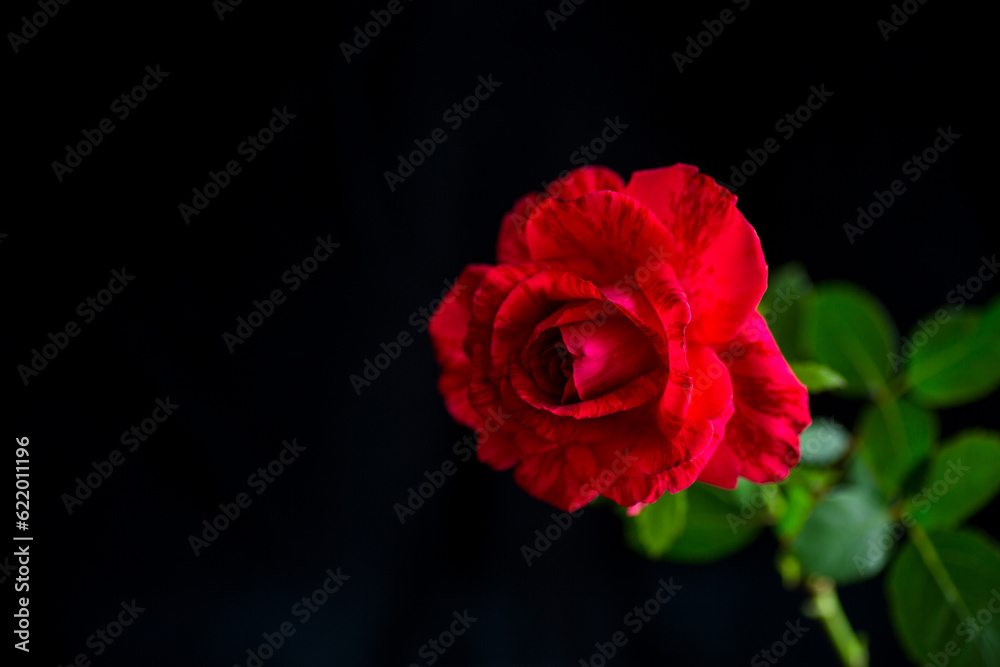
(888, 495)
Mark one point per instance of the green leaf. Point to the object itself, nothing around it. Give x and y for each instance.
(799, 504)
(954, 359)
(824, 442)
(655, 529)
(934, 629)
(816, 377)
(840, 539)
(858, 472)
(717, 524)
(894, 437)
(845, 328)
(964, 475)
(781, 307)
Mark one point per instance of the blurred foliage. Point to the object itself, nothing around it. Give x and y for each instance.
(883, 495)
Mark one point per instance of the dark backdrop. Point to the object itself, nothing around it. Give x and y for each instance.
(323, 176)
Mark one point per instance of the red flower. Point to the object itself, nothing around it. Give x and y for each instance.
(614, 349)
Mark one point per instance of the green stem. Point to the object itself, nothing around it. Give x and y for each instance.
(928, 553)
(826, 607)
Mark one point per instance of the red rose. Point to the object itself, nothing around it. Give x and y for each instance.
(615, 349)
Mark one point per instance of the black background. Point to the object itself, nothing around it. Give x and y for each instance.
(323, 175)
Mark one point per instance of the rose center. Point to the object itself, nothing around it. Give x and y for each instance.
(583, 360)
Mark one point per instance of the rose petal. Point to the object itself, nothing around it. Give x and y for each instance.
(503, 448)
(607, 357)
(548, 296)
(717, 257)
(605, 237)
(633, 394)
(549, 477)
(531, 299)
(772, 409)
(706, 425)
(627, 489)
(447, 328)
(585, 180)
(512, 246)
(529, 302)
(511, 243)
(680, 456)
(484, 396)
(636, 509)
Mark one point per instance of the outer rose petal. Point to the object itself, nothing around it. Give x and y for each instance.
(549, 476)
(511, 243)
(605, 236)
(486, 382)
(512, 247)
(634, 510)
(504, 448)
(447, 328)
(585, 180)
(718, 257)
(772, 408)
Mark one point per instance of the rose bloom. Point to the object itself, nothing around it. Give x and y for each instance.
(615, 349)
